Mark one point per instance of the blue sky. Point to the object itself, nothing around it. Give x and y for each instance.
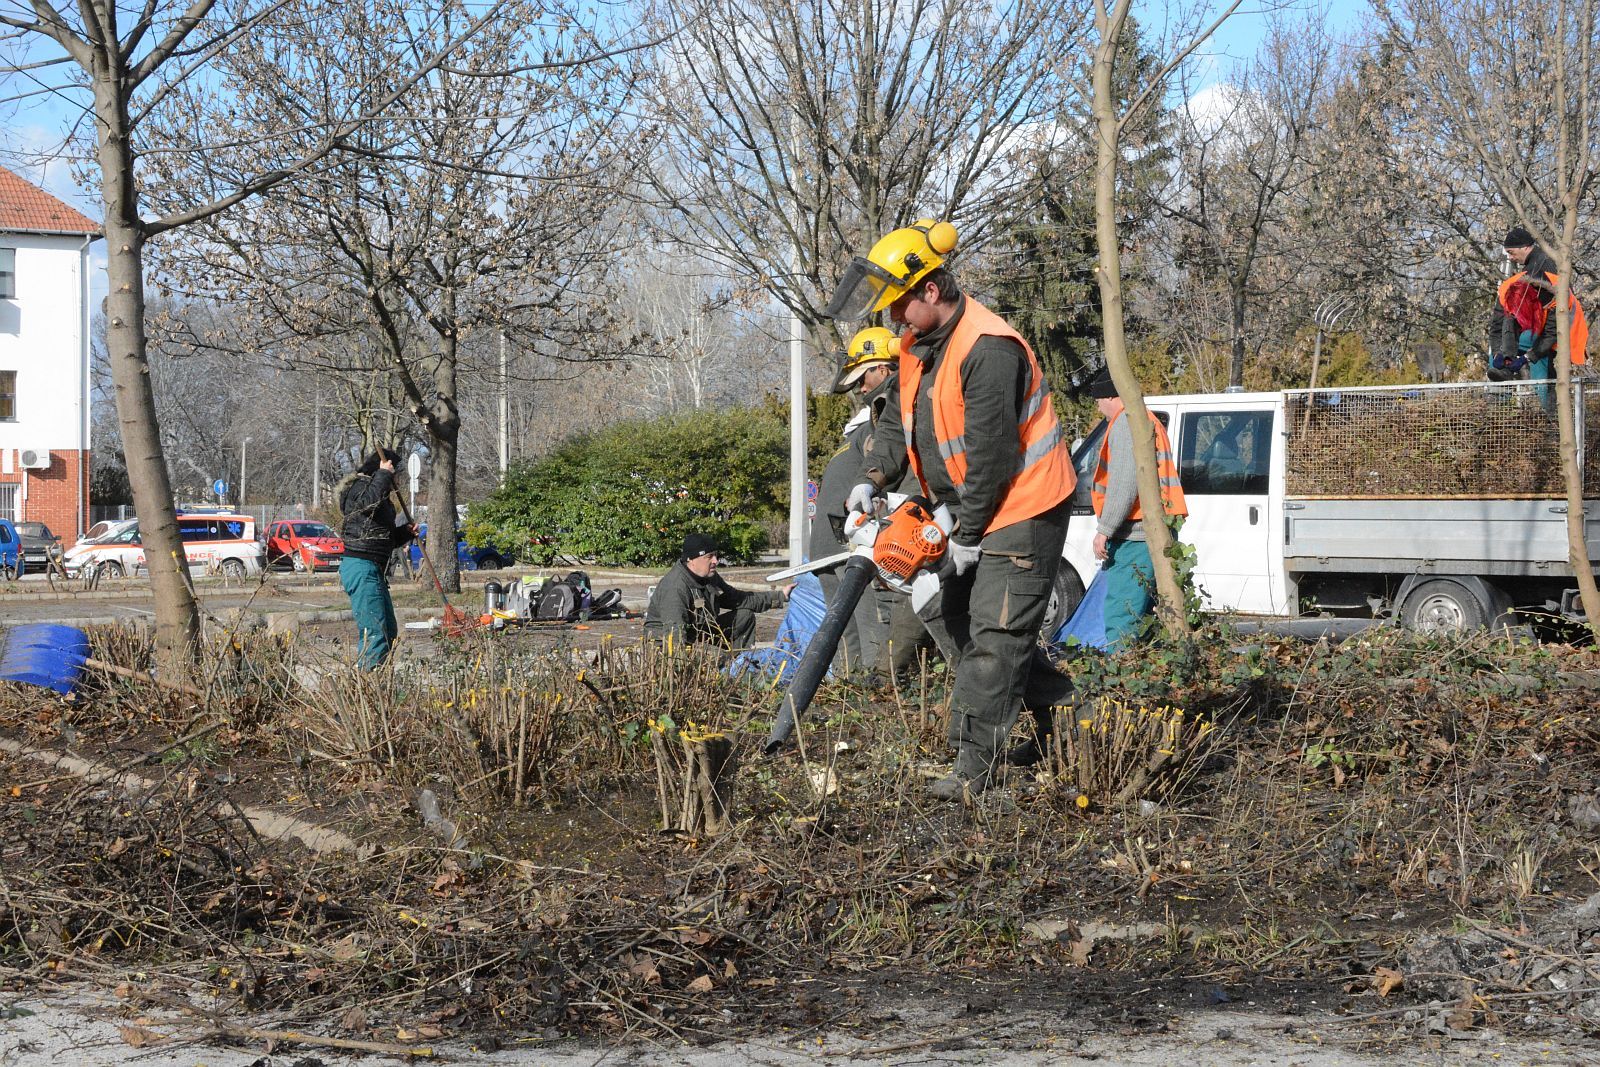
(37, 124)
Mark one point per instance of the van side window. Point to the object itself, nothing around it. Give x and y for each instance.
(195, 529)
(1225, 453)
(232, 529)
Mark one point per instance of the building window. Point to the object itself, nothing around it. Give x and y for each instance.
(8, 502)
(8, 396)
(8, 273)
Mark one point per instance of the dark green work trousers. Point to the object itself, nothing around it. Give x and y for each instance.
(986, 623)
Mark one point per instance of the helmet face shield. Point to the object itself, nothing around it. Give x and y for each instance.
(860, 290)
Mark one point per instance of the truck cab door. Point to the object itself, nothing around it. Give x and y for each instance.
(1225, 466)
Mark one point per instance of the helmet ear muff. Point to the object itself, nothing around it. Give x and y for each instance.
(942, 238)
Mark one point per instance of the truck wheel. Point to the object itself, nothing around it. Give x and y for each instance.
(1443, 606)
(1066, 593)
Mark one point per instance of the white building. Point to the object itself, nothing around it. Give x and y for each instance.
(44, 358)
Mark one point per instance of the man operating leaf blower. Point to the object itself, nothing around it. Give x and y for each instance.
(976, 425)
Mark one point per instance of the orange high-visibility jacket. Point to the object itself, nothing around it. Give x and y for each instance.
(1580, 323)
(1044, 477)
(1172, 499)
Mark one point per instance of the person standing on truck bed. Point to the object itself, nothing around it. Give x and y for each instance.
(976, 425)
(1521, 329)
(1119, 541)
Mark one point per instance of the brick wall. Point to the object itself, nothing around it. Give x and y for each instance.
(55, 493)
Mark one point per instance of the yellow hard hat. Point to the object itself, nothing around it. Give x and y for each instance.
(869, 347)
(897, 262)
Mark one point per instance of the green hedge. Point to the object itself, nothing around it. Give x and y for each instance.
(629, 493)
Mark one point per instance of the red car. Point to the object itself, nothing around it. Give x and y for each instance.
(304, 545)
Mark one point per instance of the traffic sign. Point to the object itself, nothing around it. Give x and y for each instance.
(220, 488)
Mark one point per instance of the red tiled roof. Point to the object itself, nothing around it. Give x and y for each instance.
(26, 208)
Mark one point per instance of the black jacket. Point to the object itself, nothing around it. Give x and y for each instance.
(1503, 328)
(369, 528)
(685, 606)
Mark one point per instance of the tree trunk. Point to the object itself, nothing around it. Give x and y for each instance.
(1236, 361)
(176, 612)
(443, 423)
(1571, 472)
(1109, 274)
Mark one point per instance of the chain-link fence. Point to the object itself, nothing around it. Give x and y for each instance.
(1482, 439)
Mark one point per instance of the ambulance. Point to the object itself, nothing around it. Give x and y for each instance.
(219, 543)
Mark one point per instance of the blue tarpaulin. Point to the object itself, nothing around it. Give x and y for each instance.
(1088, 623)
(800, 622)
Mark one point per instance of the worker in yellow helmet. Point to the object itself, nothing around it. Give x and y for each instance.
(976, 426)
(869, 367)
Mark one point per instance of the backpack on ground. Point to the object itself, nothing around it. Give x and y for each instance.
(558, 602)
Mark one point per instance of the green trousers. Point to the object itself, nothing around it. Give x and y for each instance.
(986, 623)
(1129, 582)
(368, 589)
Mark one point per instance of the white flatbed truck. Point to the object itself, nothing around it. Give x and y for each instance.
(1439, 505)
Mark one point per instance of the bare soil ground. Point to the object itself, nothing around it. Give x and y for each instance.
(1374, 852)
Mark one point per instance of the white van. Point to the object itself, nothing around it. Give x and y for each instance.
(220, 543)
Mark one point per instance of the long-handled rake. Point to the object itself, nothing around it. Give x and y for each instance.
(456, 622)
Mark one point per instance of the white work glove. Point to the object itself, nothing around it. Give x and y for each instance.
(861, 498)
(965, 557)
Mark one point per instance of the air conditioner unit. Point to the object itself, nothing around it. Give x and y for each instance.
(33, 459)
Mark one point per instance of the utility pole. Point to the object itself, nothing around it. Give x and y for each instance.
(797, 441)
(316, 448)
(505, 409)
(244, 460)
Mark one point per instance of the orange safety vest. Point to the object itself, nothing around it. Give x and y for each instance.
(1044, 477)
(1580, 323)
(1172, 499)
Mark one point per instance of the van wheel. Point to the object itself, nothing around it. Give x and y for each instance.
(1066, 593)
(1442, 606)
(233, 568)
(109, 569)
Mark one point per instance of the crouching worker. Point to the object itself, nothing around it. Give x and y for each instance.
(371, 531)
(693, 603)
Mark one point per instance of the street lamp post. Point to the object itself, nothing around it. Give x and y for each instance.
(244, 458)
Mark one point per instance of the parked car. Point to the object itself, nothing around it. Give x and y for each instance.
(104, 529)
(12, 563)
(486, 558)
(221, 541)
(37, 544)
(303, 545)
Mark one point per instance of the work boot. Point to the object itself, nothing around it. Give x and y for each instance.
(1027, 754)
(956, 786)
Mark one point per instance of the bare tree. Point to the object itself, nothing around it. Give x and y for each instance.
(130, 66)
(796, 131)
(1110, 117)
(482, 204)
(1512, 87)
(1242, 168)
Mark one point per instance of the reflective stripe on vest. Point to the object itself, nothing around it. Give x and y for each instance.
(1580, 322)
(1044, 476)
(1172, 498)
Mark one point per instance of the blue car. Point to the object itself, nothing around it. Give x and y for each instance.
(11, 565)
(487, 558)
